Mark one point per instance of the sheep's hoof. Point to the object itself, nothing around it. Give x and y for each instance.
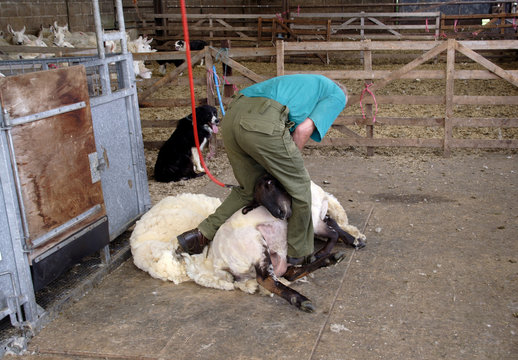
(339, 256)
(307, 306)
(360, 245)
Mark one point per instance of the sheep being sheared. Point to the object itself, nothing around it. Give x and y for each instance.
(249, 248)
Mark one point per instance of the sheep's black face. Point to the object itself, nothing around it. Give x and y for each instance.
(270, 193)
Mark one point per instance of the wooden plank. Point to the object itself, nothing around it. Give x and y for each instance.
(52, 154)
(390, 121)
(251, 52)
(159, 123)
(369, 115)
(170, 76)
(420, 143)
(489, 44)
(237, 66)
(279, 46)
(146, 103)
(450, 71)
(488, 64)
(378, 142)
(368, 14)
(345, 130)
(485, 100)
(210, 82)
(228, 27)
(485, 144)
(153, 145)
(485, 122)
(163, 55)
(397, 45)
(10, 49)
(398, 99)
(209, 16)
(411, 75)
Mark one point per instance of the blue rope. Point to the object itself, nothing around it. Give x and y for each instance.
(217, 90)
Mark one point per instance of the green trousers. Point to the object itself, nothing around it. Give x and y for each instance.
(257, 140)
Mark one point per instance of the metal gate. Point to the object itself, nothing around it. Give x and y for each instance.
(118, 162)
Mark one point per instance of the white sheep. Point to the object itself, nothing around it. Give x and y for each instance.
(244, 246)
(18, 37)
(140, 45)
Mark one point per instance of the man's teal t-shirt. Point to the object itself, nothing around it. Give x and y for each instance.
(306, 96)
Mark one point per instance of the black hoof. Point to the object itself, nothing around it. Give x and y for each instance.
(307, 306)
(360, 245)
(339, 256)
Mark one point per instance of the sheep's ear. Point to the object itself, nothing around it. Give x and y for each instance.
(10, 29)
(23, 30)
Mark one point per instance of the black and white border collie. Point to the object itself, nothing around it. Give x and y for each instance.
(178, 158)
(178, 45)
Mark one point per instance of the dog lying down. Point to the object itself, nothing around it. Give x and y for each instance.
(178, 158)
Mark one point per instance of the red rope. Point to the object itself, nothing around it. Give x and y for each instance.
(193, 100)
(373, 97)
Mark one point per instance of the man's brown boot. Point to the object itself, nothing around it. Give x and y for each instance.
(192, 242)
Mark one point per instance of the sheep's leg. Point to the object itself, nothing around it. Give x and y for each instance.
(332, 236)
(250, 207)
(343, 235)
(266, 278)
(296, 272)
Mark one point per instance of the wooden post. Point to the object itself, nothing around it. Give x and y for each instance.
(285, 9)
(367, 62)
(450, 76)
(362, 35)
(437, 27)
(259, 30)
(211, 33)
(211, 97)
(158, 7)
(228, 89)
(279, 48)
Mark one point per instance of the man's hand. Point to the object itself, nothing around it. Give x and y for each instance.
(302, 133)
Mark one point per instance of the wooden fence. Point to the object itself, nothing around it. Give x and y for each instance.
(307, 26)
(379, 79)
(256, 28)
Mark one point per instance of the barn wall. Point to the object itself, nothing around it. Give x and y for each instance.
(450, 9)
(33, 13)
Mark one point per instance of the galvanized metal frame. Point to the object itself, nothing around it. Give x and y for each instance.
(18, 299)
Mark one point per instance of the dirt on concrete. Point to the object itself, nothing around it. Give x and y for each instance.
(438, 278)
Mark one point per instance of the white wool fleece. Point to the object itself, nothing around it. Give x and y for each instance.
(153, 241)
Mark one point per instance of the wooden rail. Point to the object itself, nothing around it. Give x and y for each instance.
(470, 26)
(306, 26)
(380, 78)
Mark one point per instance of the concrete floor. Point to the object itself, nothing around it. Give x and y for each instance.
(438, 279)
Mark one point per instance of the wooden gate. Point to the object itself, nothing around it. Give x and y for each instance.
(378, 79)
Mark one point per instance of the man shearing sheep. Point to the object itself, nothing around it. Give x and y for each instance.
(264, 130)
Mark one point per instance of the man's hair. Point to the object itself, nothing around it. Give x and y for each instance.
(344, 89)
